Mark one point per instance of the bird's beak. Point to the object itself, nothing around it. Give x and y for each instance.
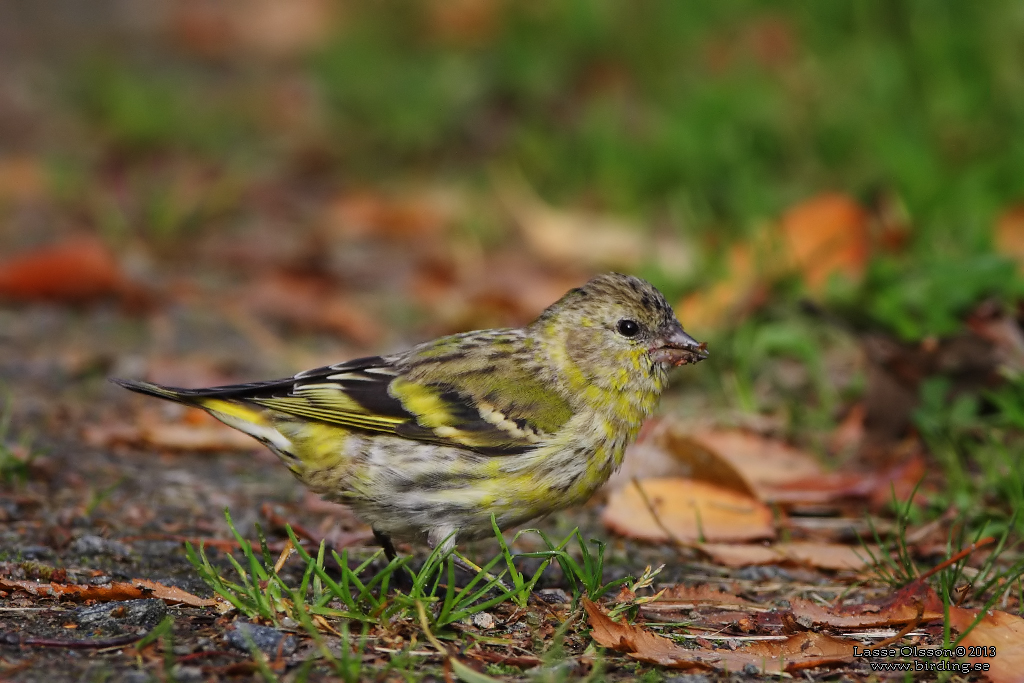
(675, 347)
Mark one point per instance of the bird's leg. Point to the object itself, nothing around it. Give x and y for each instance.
(403, 580)
(384, 541)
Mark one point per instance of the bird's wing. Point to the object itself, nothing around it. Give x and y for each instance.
(490, 410)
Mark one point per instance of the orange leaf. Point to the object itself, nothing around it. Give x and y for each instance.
(111, 592)
(801, 651)
(827, 234)
(1000, 631)
(690, 510)
(1009, 235)
(76, 271)
(821, 555)
(766, 463)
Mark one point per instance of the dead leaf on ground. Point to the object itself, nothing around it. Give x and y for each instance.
(670, 449)
(831, 556)
(314, 304)
(572, 238)
(764, 462)
(999, 630)
(466, 289)
(866, 615)
(690, 510)
(365, 214)
(465, 23)
(115, 591)
(265, 28)
(876, 486)
(1009, 234)
(196, 432)
(22, 178)
(827, 234)
(75, 271)
(729, 299)
(801, 651)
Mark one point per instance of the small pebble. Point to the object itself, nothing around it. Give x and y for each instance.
(35, 552)
(482, 620)
(90, 545)
(186, 674)
(688, 678)
(751, 669)
(267, 639)
(117, 616)
(554, 596)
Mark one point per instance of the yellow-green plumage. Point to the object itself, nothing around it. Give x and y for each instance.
(429, 443)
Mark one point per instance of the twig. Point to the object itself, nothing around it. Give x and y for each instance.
(18, 640)
(906, 629)
(988, 540)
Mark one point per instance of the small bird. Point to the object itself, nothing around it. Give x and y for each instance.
(427, 444)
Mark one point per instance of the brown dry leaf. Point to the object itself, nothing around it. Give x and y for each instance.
(466, 23)
(312, 303)
(801, 651)
(367, 213)
(569, 238)
(726, 301)
(75, 271)
(898, 610)
(264, 28)
(848, 434)
(469, 290)
(22, 178)
(877, 486)
(766, 463)
(690, 510)
(999, 630)
(172, 595)
(1009, 234)
(115, 591)
(827, 234)
(197, 432)
(668, 448)
(821, 555)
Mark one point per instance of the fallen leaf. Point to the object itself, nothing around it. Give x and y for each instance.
(367, 213)
(766, 463)
(172, 595)
(690, 510)
(22, 178)
(727, 300)
(801, 651)
(821, 555)
(1009, 234)
(465, 289)
(115, 591)
(312, 303)
(827, 234)
(1001, 631)
(669, 449)
(849, 433)
(572, 238)
(192, 434)
(865, 615)
(76, 271)
(465, 23)
(876, 486)
(264, 28)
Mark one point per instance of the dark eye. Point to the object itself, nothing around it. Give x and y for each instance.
(628, 328)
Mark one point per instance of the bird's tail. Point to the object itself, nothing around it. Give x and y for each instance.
(240, 415)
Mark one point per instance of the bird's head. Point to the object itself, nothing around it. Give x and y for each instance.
(618, 330)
